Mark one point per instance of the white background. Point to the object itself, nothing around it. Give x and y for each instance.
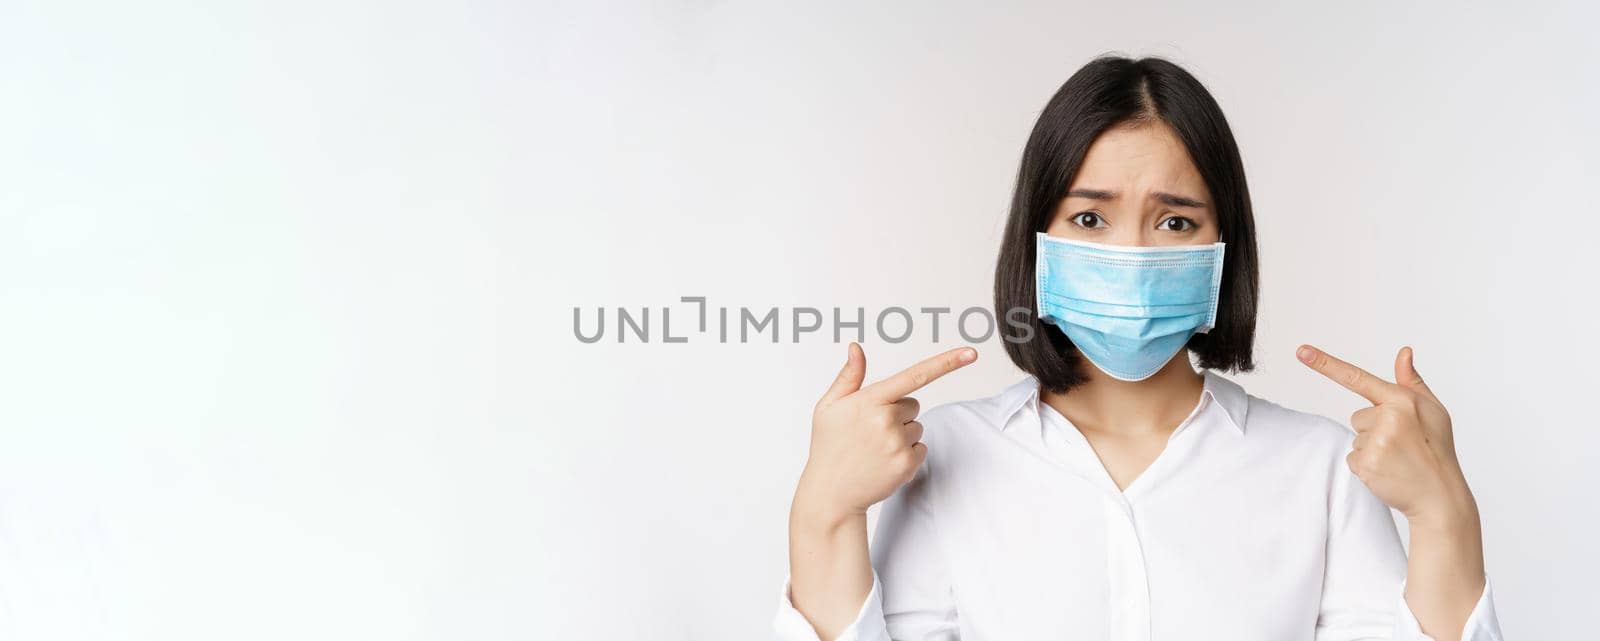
(286, 288)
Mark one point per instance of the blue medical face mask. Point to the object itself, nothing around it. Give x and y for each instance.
(1127, 309)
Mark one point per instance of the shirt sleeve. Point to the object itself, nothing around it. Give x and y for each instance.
(911, 599)
(1363, 590)
(1482, 624)
(790, 625)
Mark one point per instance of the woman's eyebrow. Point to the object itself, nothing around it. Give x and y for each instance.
(1106, 194)
(1093, 194)
(1176, 200)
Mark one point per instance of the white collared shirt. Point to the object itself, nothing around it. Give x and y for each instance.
(1247, 527)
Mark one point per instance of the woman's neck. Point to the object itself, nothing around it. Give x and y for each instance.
(1153, 406)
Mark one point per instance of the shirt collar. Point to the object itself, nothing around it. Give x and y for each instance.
(1227, 394)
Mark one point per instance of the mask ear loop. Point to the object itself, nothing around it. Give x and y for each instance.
(1038, 275)
(1216, 289)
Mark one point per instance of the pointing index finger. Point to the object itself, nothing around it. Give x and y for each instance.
(1351, 377)
(915, 377)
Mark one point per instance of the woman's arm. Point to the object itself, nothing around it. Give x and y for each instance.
(1404, 452)
(829, 565)
(1444, 576)
(907, 595)
(865, 444)
(1361, 597)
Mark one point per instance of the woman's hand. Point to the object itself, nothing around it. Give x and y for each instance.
(1405, 453)
(865, 442)
(1404, 450)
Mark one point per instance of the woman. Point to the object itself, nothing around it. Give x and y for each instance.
(1116, 492)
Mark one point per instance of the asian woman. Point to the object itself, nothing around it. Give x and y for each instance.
(1124, 489)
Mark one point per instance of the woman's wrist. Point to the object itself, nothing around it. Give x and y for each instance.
(1446, 523)
(814, 512)
(1455, 511)
(1446, 551)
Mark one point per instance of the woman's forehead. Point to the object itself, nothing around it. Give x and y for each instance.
(1148, 156)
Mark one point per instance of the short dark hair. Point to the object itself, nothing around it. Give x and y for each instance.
(1107, 92)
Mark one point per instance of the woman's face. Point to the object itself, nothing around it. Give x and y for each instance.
(1137, 187)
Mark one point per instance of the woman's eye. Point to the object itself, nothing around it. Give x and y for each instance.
(1088, 220)
(1177, 223)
